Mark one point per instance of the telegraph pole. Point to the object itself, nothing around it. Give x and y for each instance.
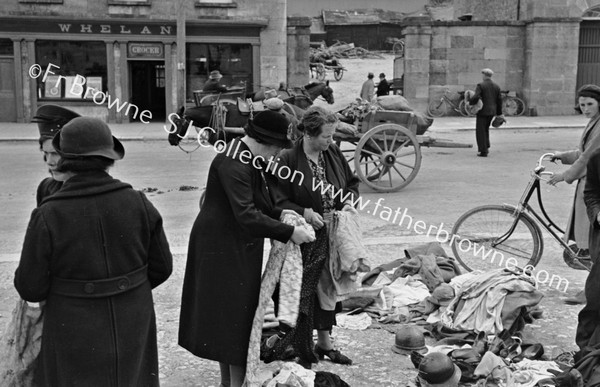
(180, 89)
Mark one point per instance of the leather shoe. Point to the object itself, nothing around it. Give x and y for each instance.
(579, 298)
(334, 355)
(481, 154)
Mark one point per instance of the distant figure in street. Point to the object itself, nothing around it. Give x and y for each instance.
(282, 86)
(489, 93)
(213, 83)
(368, 88)
(383, 88)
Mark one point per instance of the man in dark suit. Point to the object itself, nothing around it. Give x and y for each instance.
(383, 88)
(489, 93)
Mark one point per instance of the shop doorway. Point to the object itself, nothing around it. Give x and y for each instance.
(147, 88)
(8, 107)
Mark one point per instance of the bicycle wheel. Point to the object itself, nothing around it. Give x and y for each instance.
(462, 107)
(513, 106)
(477, 230)
(437, 108)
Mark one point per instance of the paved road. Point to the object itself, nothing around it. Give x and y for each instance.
(450, 182)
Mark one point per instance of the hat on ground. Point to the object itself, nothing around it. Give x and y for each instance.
(409, 338)
(270, 127)
(215, 74)
(438, 370)
(442, 295)
(487, 72)
(51, 119)
(87, 136)
(498, 121)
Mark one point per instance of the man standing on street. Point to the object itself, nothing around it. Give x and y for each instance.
(368, 88)
(383, 88)
(489, 93)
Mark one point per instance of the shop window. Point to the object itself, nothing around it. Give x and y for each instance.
(42, 1)
(70, 62)
(234, 62)
(160, 75)
(6, 47)
(216, 3)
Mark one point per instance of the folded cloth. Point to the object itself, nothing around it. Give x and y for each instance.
(357, 322)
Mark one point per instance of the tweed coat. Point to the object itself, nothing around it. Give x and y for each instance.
(95, 228)
(223, 271)
(578, 224)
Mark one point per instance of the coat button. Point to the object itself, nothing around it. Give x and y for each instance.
(88, 288)
(123, 284)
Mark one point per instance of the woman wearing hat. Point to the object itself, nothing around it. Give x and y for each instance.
(50, 119)
(214, 83)
(93, 251)
(316, 157)
(223, 270)
(578, 226)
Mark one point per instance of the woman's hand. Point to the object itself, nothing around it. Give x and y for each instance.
(314, 218)
(348, 208)
(557, 178)
(300, 236)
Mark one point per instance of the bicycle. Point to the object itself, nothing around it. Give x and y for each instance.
(442, 106)
(514, 230)
(511, 105)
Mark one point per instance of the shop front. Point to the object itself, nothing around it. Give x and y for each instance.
(118, 70)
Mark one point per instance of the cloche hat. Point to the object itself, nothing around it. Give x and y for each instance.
(270, 127)
(87, 136)
(51, 119)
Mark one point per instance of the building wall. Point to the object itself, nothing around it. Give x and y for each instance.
(314, 7)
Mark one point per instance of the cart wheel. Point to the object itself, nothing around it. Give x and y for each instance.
(338, 74)
(388, 157)
(320, 69)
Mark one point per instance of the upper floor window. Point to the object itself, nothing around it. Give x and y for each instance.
(42, 1)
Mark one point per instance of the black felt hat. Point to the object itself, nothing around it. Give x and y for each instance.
(270, 127)
(86, 136)
(51, 119)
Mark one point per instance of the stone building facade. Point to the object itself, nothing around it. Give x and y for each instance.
(533, 47)
(127, 49)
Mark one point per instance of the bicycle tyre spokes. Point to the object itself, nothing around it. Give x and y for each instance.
(489, 247)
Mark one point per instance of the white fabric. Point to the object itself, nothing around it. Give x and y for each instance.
(358, 322)
(293, 375)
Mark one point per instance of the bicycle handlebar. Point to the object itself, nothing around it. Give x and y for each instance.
(540, 168)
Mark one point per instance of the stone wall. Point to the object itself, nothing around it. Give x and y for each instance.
(490, 10)
(298, 39)
(459, 50)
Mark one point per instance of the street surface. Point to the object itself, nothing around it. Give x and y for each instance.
(450, 182)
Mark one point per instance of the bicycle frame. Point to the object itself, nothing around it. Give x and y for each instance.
(523, 208)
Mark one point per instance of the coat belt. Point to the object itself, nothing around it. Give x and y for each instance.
(99, 288)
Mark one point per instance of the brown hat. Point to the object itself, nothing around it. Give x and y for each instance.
(438, 370)
(409, 338)
(270, 127)
(51, 119)
(86, 136)
(215, 74)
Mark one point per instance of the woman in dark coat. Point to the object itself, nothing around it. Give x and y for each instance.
(93, 251)
(223, 271)
(316, 157)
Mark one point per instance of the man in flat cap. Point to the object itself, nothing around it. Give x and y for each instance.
(368, 88)
(214, 83)
(489, 93)
(50, 120)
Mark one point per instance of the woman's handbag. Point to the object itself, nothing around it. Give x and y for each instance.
(20, 346)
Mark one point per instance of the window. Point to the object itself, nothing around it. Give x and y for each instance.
(215, 4)
(65, 64)
(129, 2)
(234, 62)
(42, 1)
(6, 47)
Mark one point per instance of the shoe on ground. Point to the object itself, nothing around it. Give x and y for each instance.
(578, 299)
(481, 154)
(334, 355)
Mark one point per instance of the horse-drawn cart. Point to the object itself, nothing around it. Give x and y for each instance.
(319, 69)
(387, 152)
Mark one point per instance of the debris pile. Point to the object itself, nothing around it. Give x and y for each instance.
(340, 50)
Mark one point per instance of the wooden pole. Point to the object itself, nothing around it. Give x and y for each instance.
(181, 97)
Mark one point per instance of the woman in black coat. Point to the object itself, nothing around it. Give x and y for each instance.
(223, 271)
(93, 251)
(318, 161)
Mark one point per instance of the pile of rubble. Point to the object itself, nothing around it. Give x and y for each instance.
(340, 50)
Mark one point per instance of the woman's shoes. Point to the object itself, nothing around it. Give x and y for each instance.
(334, 355)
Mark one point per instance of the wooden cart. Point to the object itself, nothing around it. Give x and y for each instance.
(319, 69)
(387, 149)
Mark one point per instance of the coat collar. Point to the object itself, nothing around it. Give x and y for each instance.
(588, 129)
(87, 184)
